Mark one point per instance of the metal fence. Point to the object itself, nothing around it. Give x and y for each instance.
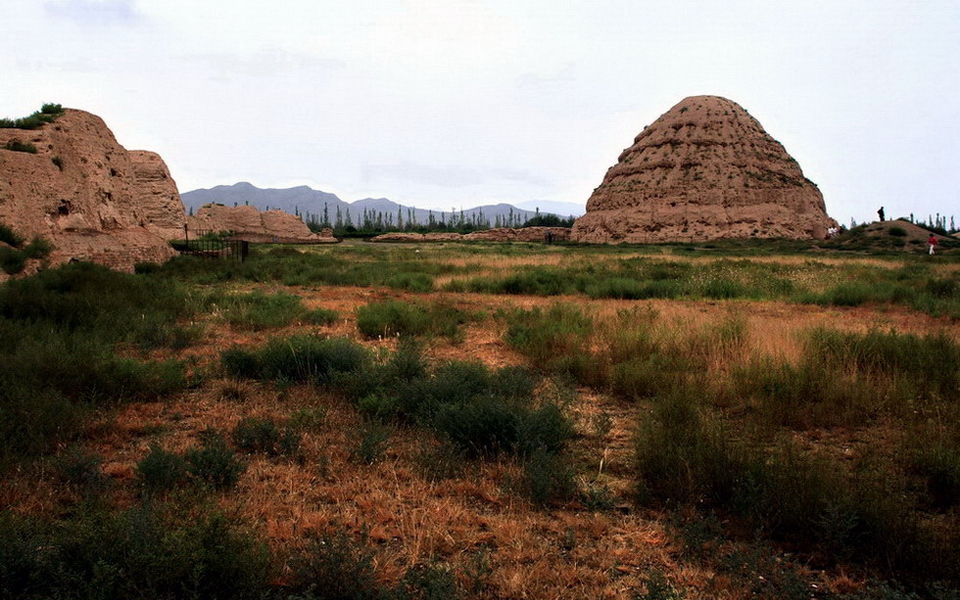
(211, 244)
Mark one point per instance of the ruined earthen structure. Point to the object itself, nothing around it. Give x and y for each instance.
(498, 234)
(248, 223)
(87, 195)
(704, 170)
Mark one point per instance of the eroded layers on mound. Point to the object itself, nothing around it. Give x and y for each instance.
(87, 195)
(248, 223)
(704, 170)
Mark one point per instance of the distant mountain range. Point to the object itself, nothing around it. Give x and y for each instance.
(313, 204)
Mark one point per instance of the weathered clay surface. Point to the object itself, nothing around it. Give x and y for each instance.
(97, 204)
(248, 223)
(704, 170)
(498, 234)
(157, 195)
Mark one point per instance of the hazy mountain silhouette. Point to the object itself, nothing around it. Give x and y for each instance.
(310, 204)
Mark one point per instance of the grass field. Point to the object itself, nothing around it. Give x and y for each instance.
(743, 420)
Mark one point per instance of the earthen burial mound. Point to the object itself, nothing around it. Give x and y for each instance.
(248, 223)
(704, 170)
(87, 195)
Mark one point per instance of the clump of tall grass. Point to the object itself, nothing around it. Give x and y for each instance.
(302, 358)
(256, 434)
(144, 552)
(398, 318)
(257, 310)
(927, 364)
(556, 339)
(688, 455)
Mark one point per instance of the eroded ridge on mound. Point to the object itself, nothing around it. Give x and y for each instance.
(704, 170)
(87, 194)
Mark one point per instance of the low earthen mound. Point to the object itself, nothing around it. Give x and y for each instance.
(896, 235)
(704, 170)
(248, 223)
(87, 195)
(498, 234)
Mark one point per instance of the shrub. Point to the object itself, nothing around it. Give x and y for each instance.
(138, 553)
(372, 444)
(809, 394)
(321, 316)
(631, 289)
(555, 338)
(547, 477)
(257, 310)
(255, 434)
(397, 318)
(213, 462)
(80, 468)
(297, 358)
(18, 146)
(896, 231)
(160, 471)
(104, 304)
(928, 363)
(12, 261)
(684, 455)
(414, 282)
(9, 236)
(936, 459)
(333, 566)
(723, 289)
(57, 162)
(487, 425)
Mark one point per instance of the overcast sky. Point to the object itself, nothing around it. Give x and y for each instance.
(443, 103)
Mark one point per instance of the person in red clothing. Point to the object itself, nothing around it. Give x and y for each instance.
(932, 242)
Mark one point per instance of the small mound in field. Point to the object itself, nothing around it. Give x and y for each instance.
(896, 234)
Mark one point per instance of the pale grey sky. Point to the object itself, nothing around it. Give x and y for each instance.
(443, 103)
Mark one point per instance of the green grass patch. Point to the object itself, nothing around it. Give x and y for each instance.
(398, 318)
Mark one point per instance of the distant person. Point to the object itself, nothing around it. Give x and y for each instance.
(880, 214)
(932, 242)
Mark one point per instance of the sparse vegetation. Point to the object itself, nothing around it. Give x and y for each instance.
(757, 437)
(396, 318)
(18, 146)
(48, 113)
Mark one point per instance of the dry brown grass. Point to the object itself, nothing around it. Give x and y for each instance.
(562, 552)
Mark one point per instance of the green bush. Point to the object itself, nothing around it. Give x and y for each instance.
(373, 443)
(413, 282)
(47, 114)
(556, 338)
(18, 146)
(896, 231)
(397, 318)
(80, 468)
(9, 236)
(334, 567)
(257, 310)
(139, 553)
(928, 363)
(548, 477)
(214, 463)
(103, 304)
(12, 261)
(160, 471)
(298, 358)
(321, 316)
(722, 288)
(255, 434)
